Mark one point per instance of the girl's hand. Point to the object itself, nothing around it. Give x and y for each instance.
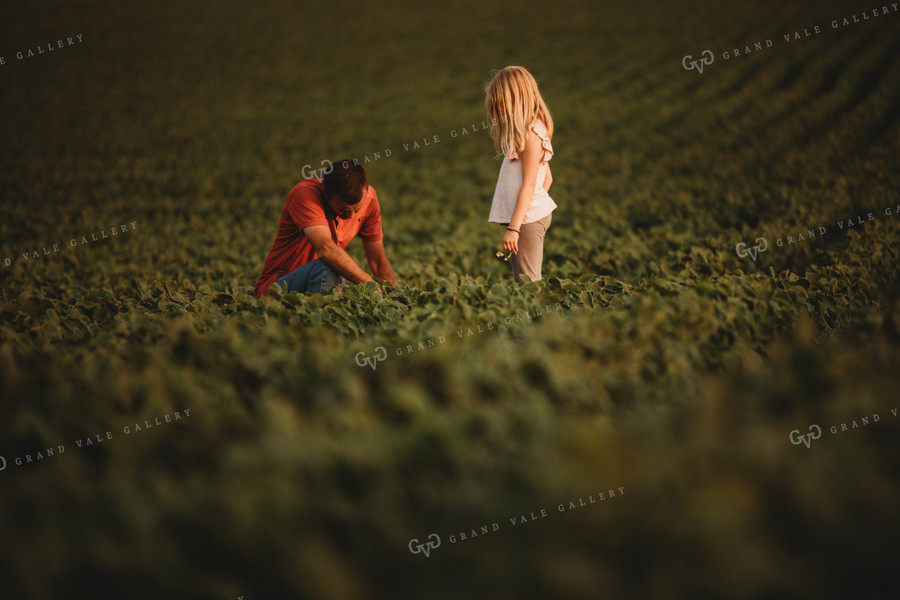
(511, 242)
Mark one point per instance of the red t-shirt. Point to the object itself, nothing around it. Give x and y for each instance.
(306, 206)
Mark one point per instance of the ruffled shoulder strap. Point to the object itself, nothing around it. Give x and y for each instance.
(541, 130)
(546, 146)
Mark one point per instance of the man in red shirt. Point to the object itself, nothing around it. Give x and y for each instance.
(319, 219)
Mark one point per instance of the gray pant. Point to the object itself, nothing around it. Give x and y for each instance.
(531, 249)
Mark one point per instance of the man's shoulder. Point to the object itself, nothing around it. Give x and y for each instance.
(307, 191)
(372, 209)
(373, 195)
(311, 184)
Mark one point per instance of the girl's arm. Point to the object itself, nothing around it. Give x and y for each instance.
(530, 157)
(548, 179)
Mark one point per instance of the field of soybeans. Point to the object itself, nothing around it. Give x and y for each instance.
(698, 400)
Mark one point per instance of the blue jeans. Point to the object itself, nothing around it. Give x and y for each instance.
(314, 276)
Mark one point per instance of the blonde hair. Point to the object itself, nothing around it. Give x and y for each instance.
(513, 103)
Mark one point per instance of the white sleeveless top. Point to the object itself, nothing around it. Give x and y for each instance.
(510, 181)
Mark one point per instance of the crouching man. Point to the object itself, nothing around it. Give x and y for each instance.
(319, 219)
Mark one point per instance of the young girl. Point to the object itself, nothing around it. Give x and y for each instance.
(521, 128)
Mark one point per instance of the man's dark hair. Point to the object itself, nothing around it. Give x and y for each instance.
(347, 180)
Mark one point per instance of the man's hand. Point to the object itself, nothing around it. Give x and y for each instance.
(378, 261)
(333, 255)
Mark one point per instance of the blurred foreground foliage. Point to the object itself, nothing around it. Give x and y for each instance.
(651, 357)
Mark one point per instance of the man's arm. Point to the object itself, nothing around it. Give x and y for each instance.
(333, 255)
(378, 261)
